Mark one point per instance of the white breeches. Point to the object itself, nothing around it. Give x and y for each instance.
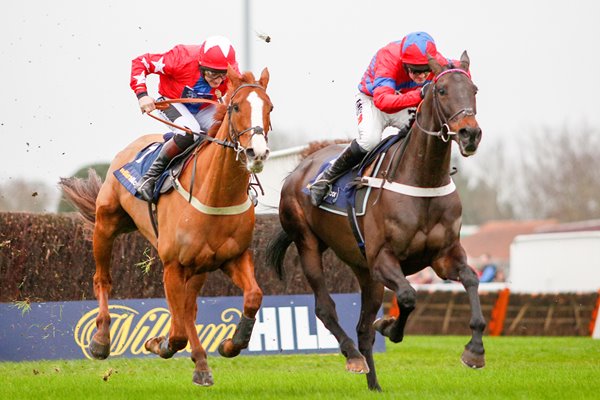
(372, 121)
(180, 115)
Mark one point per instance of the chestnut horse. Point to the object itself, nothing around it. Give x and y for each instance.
(403, 231)
(196, 235)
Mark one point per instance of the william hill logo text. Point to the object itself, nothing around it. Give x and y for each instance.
(282, 328)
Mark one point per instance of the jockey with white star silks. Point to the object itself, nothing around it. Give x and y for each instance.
(389, 92)
(185, 71)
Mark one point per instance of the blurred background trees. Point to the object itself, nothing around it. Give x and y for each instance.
(18, 195)
(30, 196)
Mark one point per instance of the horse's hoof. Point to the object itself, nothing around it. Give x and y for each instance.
(203, 378)
(357, 365)
(228, 349)
(472, 360)
(153, 344)
(375, 387)
(381, 324)
(99, 351)
(384, 326)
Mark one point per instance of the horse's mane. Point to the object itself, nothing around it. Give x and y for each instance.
(247, 77)
(218, 117)
(318, 145)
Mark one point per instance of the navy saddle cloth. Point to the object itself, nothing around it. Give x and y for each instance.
(343, 194)
(131, 173)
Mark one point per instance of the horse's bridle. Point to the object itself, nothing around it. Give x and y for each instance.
(234, 134)
(444, 133)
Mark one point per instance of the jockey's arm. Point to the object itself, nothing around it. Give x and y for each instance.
(387, 100)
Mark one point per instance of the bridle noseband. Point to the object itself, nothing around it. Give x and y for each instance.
(444, 133)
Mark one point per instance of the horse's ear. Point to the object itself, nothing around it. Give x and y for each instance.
(434, 64)
(464, 61)
(264, 78)
(234, 77)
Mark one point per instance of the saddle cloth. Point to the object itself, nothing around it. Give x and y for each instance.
(343, 193)
(131, 173)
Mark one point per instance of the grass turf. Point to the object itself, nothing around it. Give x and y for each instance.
(422, 367)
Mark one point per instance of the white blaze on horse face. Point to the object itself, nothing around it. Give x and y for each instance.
(259, 144)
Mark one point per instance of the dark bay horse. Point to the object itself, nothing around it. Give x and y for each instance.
(403, 233)
(196, 235)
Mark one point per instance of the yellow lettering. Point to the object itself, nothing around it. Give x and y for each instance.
(129, 330)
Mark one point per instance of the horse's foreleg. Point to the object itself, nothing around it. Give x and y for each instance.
(174, 282)
(371, 299)
(202, 373)
(311, 261)
(474, 355)
(387, 270)
(103, 240)
(241, 272)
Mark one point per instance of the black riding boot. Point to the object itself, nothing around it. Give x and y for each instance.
(146, 186)
(350, 157)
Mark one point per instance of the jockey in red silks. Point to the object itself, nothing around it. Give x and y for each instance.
(390, 90)
(185, 71)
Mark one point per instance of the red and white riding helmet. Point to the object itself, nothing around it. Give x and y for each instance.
(415, 47)
(217, 53)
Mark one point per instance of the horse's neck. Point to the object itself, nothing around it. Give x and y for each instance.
(426, 160)
(224, 181)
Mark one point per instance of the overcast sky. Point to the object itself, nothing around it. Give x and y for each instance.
(65, 100)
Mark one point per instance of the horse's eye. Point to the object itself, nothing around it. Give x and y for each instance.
(441, 91)
(236, 108)
(476, 89)
(271, 109)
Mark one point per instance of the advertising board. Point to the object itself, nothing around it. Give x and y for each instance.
(63, 330)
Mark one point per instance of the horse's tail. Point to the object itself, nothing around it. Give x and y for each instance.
(276, 252)
(82, 193)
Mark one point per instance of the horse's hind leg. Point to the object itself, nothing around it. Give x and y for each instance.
(174, 282)
(241, 272)
(312, 265)
(371, 298)
(106, 229)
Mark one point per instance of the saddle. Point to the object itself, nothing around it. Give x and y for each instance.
(131, 173)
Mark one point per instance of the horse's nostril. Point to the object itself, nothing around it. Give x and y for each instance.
(250, 152)
(469, 132)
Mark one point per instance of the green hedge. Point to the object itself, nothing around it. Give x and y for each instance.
(48, 257)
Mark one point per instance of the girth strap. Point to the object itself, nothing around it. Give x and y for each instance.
(203, 208)
(413, 191)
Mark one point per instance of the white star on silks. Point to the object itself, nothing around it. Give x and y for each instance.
(145, 63)
(159, 65)
(220, 41)
(141, 78)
